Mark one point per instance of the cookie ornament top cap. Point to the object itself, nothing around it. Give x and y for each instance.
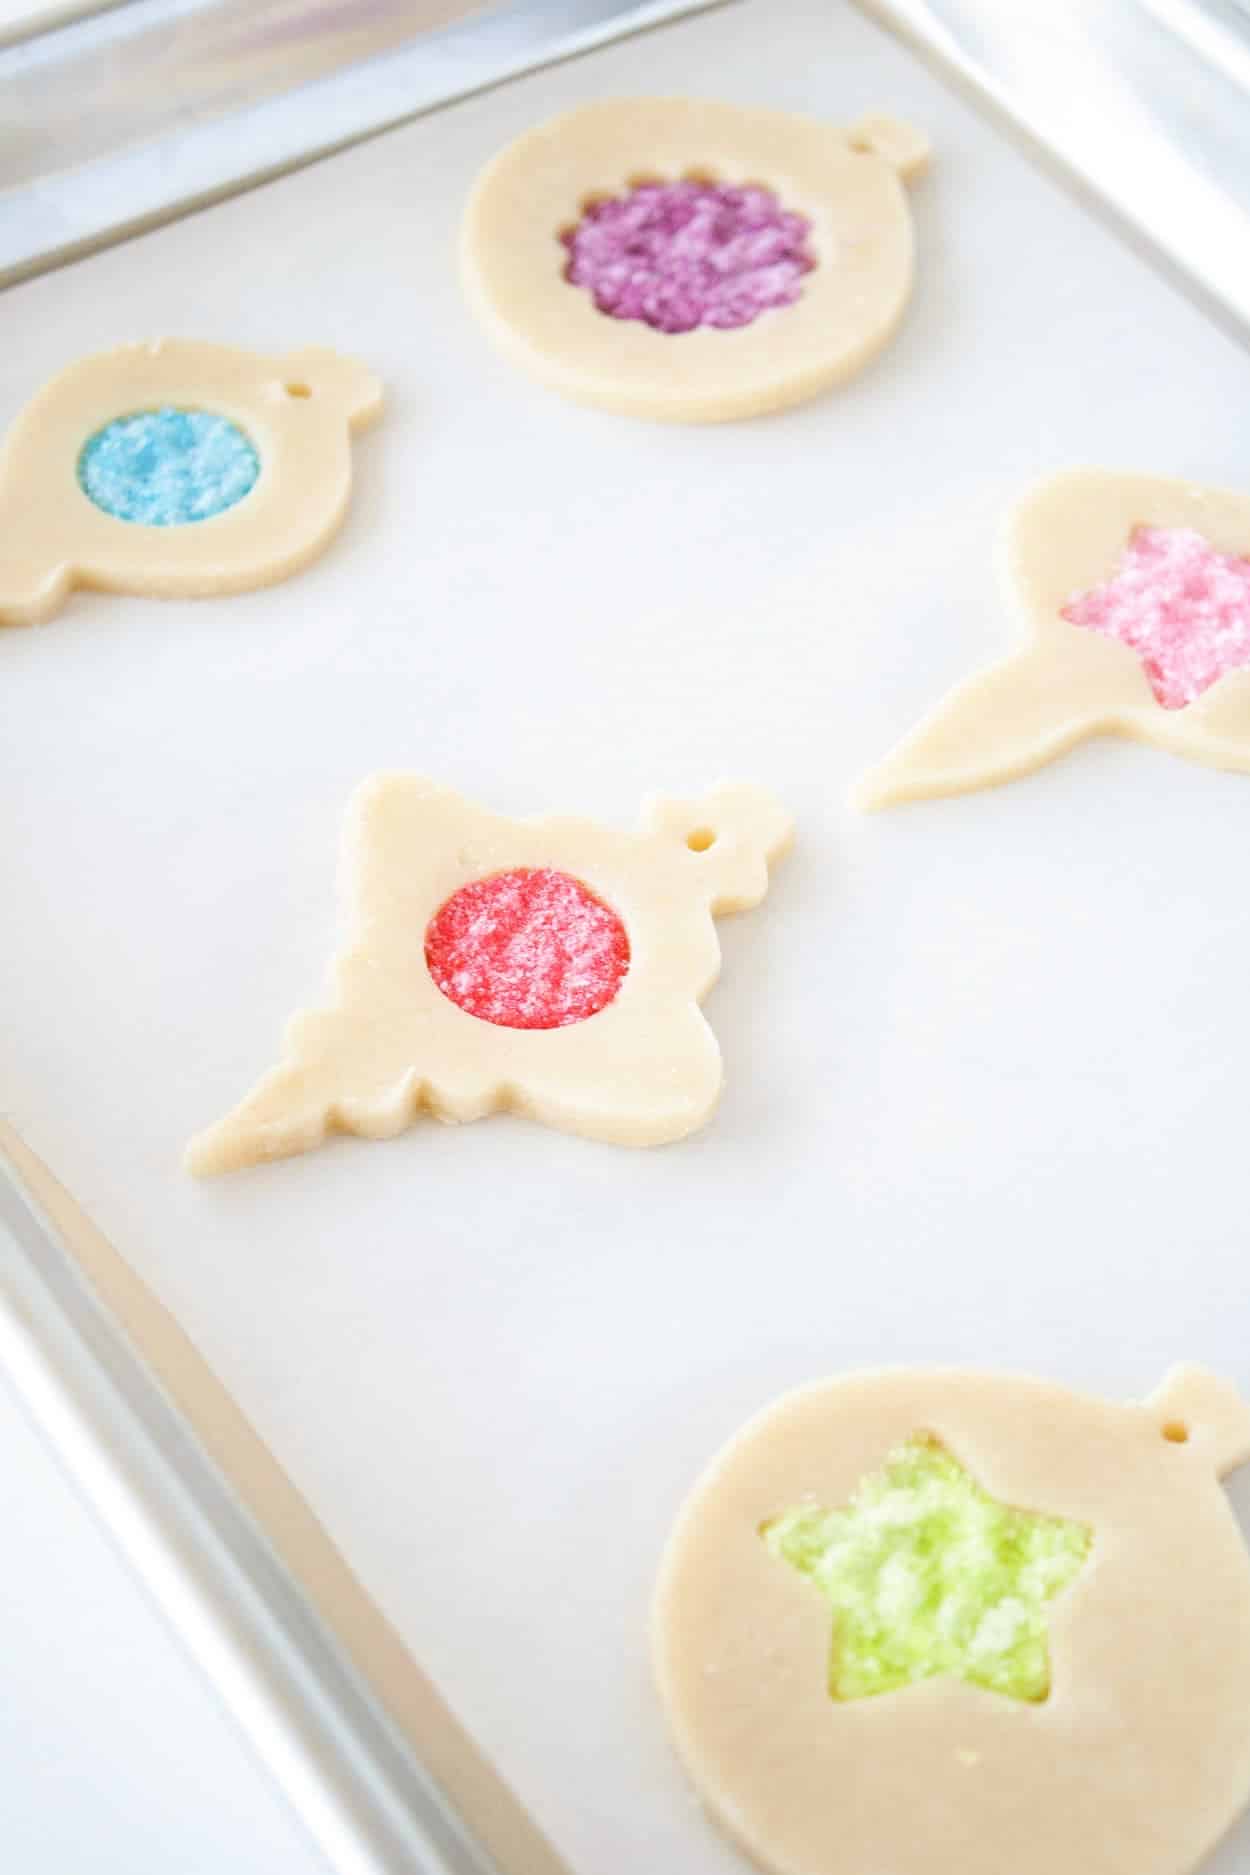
(108, 477)
(1134, 592)
(932, 1620)
(762, 256)
(552, 967)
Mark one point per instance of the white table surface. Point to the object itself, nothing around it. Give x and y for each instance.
(984, 1057)
(115, 1757)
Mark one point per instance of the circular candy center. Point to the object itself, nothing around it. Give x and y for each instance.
(677, 255)
(1180, 605)
(167, 467)
(527, 949)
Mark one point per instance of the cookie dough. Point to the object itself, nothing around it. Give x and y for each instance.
(177, 468)
(1070, 1699)
(809, 223)
(1129, 590)
(549, 967)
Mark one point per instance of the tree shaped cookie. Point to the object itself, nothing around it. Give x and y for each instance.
(693, 261)
(934, 1621)
(1136, 595)
(174, 468)
(553, 967)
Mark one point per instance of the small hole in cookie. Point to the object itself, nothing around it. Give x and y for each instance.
(298, 390)
(1175, 1431)
(860, 145)
(701, 839)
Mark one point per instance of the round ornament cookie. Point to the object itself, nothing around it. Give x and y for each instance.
(549, 967)
(925, 1622)
(692, 261)
(176, 468)
(1135, 595)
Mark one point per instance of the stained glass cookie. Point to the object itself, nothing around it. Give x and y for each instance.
(692, 261)
(176, 468)
(1134, 592)
(935, 1621)
(550, 967)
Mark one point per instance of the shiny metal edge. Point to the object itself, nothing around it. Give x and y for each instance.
(63, 215)
(351, 1780)
(1140, 107)
(47, 17)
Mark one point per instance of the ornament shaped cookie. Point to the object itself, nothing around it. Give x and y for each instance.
(691, 261)
(936, 1621)
(1135, 593)
(550, 967)
(175, 468)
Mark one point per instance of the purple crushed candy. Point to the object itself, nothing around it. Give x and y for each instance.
(678, 255)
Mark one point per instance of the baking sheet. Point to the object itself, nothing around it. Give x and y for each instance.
(145, 111)
(141, 1792)
(316, 1678)
(982, 1055)
(1143, 102)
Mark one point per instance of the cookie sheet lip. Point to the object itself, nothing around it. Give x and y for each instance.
(1139, 1758)
(1068, 683)
(642, 1071)
(298, 410)
(847, 182)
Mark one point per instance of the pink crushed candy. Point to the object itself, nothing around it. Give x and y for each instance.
(527, 949)
(1180, 605)
(677, 255)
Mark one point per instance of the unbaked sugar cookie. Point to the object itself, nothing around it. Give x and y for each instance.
(551, 967)
(1135, 593)
(693, 261)
(176, 468)
(941, 1623)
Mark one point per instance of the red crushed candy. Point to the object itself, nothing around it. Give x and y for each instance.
(677, 255)
(527, 949)
(1180, 605)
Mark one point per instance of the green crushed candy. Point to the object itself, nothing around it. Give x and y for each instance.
(929, 1575)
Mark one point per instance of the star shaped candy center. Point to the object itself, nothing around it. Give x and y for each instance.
(1180, 605)
(928, 1575)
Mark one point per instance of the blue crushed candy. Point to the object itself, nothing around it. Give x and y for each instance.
(167, 467)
